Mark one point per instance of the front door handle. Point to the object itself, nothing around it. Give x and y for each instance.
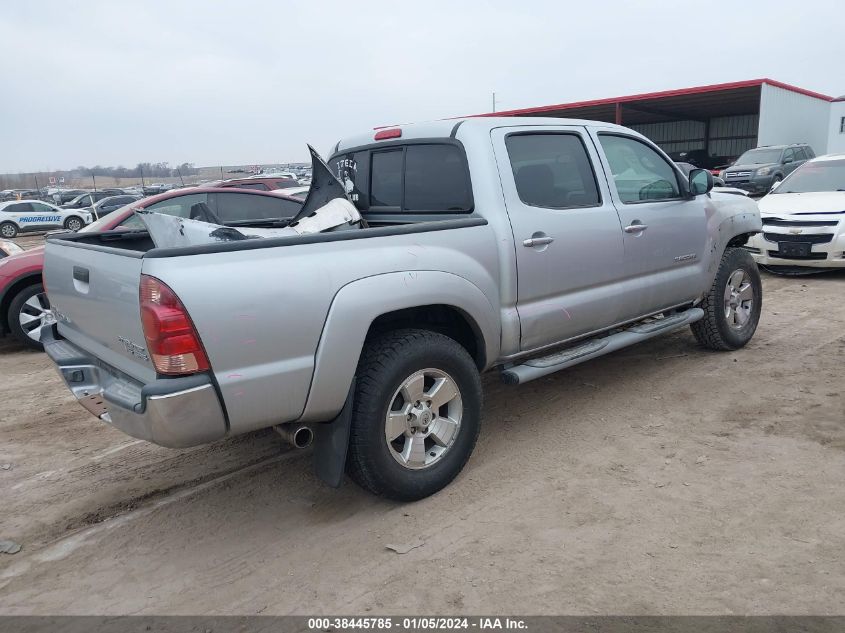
(537, 241)
(636, 227)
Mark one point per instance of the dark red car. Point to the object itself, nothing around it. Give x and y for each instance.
(258, 183)
(24, 308)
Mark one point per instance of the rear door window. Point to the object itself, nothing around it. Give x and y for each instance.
(20, 207)
(552, 170)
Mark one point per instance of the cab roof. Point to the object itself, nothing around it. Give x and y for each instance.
(452, 127)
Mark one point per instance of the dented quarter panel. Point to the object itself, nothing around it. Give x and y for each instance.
(352, 312)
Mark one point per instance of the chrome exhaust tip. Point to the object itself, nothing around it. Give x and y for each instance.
(297, 435)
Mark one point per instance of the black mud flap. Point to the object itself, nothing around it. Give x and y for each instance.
(331, 443)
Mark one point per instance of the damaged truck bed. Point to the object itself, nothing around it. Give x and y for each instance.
(325, 209)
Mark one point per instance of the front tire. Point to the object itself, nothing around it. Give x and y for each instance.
(8, 230)
(733, 304)
(416, 414)
(73, 224)
(29, 313)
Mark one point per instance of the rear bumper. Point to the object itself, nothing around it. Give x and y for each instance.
(172, 412)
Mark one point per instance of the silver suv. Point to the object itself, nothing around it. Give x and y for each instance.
(758, 170)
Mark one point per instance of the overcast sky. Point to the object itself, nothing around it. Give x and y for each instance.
(118, 83)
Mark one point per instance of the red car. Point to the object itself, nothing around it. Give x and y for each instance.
(259, 183)
(24, 308)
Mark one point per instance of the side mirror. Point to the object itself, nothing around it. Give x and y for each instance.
(700, 181)
(787, 160)
(775, 185)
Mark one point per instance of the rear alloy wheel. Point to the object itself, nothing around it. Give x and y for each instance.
(416, 414)
(73, 224)
(29, 313)
(424, 418)
(8, 230)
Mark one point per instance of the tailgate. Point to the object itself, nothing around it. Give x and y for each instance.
(94, 296)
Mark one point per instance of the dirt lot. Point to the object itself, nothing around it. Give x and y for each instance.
(663, 479)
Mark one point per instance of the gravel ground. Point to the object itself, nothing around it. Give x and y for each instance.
(661, 480)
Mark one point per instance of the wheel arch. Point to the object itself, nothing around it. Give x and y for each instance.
(438, 301)
(735, 223)
(445, 319)
(741, 239)
(10, 293)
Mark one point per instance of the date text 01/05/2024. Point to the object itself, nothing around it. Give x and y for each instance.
(416, 623)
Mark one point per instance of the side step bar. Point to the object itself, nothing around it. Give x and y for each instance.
(539, 367)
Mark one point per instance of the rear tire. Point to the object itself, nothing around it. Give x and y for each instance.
(28, 313)
(733, 304)
(423, 390)
(8, 230)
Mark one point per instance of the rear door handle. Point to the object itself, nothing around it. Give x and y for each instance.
(635, 228)
(537, 241)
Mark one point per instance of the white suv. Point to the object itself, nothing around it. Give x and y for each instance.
(33, 215)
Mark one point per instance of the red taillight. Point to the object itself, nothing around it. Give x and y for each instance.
(390, 133)
(172, 339)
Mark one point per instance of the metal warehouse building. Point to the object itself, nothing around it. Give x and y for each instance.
(722, 119)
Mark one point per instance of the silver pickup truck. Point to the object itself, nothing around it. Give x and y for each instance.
(524, 245)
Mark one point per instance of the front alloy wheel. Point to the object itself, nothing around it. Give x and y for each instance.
(732, 305)
(739, 299)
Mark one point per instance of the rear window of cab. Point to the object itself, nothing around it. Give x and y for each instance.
(412, 178)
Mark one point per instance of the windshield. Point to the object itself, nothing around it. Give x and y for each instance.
(759, 157)
(825, 175)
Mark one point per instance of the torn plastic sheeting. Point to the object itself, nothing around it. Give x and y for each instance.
(168, 231)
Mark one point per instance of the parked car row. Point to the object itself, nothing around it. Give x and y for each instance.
(24, 308)
(755, 171)
(19, 194)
